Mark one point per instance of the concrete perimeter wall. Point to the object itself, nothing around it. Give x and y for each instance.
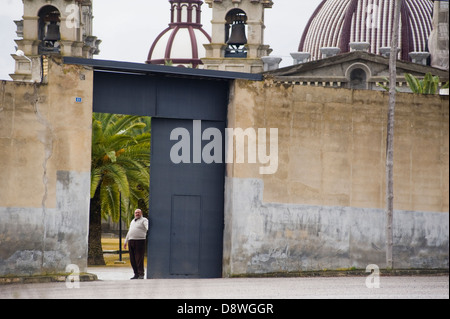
(45, 148)
(324, 207)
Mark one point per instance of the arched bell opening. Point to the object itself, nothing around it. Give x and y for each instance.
(235, 34)
(49, 29)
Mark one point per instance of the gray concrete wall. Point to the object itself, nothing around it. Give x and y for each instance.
(324, 206)
(273, 237)
(47, 240)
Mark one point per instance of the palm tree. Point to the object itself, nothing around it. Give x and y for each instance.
(429, 85)
(119, 172)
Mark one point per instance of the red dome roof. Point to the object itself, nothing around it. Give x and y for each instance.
(182, 42)
(337, 23)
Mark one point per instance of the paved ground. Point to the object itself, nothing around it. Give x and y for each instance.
(115, 283)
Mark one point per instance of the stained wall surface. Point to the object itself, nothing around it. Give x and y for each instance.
(324, 207)
(45, 147)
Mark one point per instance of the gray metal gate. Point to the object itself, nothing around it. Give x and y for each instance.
(186, 208)
(186, 199)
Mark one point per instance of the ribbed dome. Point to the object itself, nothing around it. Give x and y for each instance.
(337, 23)
(182, 42)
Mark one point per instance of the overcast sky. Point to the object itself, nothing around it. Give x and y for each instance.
(128, 28)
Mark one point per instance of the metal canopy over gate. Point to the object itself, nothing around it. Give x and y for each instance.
(186, 199)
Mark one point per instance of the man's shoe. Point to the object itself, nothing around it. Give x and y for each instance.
(135, 277)
(141, 277)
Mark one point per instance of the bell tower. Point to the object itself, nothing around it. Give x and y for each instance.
(237, 36)
(52, 27)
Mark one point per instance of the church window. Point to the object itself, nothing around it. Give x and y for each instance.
(358, 79)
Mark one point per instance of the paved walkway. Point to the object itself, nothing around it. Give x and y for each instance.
(111, 273)
(114, 283)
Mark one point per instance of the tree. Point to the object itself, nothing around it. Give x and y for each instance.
(119, 172)
(390, 137)
(429, 85)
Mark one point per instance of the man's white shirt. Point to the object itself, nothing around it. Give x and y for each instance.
(138, 229)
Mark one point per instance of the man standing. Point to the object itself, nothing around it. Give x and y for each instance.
(136, 240)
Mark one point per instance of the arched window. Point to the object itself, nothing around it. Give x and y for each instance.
(195, 15)
(235, 33)
(48, 26)
(184, 14)
(358, 75)
(358, 79)
(174, 14)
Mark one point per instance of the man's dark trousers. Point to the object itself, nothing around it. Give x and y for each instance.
(137, 251)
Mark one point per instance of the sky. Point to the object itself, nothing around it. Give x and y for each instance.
(127, 31)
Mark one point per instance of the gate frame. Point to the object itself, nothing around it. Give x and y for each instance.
(144, 76)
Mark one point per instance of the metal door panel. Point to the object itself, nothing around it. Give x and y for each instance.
(169, 180)
(185, 235)
(158, 96)
(124, 94)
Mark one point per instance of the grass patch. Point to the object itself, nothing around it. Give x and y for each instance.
(111, 243)
(110, 259)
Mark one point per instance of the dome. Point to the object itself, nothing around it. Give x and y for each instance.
(182, 42)
(337, 23)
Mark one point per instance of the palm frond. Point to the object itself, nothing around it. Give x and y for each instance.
(96, 177)
(120, 123)
(413, 83)
(110, 201)
(117, 174)
(428, 85)
(120, 162)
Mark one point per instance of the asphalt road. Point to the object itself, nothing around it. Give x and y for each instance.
(117, 286)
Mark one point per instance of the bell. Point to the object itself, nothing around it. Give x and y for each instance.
(52, 32)
(237, 35)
